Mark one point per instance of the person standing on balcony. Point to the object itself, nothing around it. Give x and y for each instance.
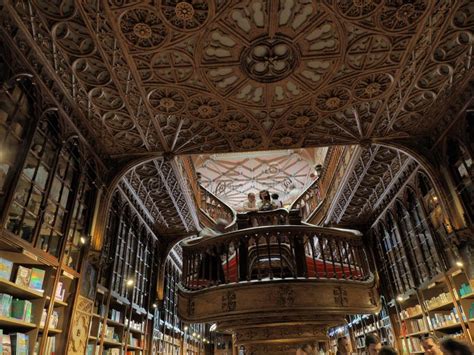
(265, 203)
(251, 204)
(276, 201)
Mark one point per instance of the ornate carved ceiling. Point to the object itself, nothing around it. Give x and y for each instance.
(194, 76)
(156, 192)
(224, 75)
(375, 171)
(232, 176)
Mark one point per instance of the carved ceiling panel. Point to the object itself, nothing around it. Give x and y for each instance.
(232, 176)
(157, 193)
(373, 176)
(201, 76)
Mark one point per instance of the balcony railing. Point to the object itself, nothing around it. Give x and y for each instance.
(279, 216)
(274, 253)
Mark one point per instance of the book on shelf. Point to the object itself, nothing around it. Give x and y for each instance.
(21, 309)
(6, 345)
(23, 276)
(6, 267)
(19, 343)
(5, 304)
(50, 347)
(60, 292)
(36, 279)
(53, 320)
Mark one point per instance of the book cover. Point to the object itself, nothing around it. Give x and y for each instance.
(54, 320)
(23, 276)
(6, 267)
(6, 345)
(37, 278)
(59, 292)
(19, 343)
(43, 317)
(21, 309)
(5, 304)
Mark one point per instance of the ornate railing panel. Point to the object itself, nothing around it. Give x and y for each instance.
(274, 253)
(308, 200)
(280, 216)
(215, 208)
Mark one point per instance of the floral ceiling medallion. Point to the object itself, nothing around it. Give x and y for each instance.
(269, 60)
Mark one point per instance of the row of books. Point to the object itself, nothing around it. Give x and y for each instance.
(136, 325)
(411, 311)
(415, 326)
(25, 277)
(53, 320)
(414, 345)
(439, 300)
(15, 308)
(134, 341)
(50, 348)
(14, 344)
(115, 315)
(445, 319)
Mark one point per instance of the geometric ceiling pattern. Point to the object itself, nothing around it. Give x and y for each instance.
(217, 76)
(204, 77)
(232, 176)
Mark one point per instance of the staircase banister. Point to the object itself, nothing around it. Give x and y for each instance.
(295, 203)
(231, 210)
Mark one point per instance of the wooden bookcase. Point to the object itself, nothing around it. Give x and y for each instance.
(380, 324)
(122, 317)
(50, 316)
(437, 307)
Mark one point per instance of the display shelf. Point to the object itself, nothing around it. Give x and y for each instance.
(19, 291)
(51, 330)
(417, 333)
(450, 326)
(57, 303)
(414, 316)
(112, 322)
(136, 331)
(8, 322)
(444, 306)
(468, 296)
(110, 342)
(131, 347)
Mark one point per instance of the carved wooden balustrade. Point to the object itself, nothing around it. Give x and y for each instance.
(274, 252)
(279, 216)
(214, 208)
(308, 201)
(281, 277)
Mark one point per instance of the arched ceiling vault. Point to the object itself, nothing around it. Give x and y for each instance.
(218, 76)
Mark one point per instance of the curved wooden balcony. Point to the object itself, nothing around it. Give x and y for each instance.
(274, 274)
(212, 208)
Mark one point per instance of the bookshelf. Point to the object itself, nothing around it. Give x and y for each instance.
(30, 314)
(362, 325)
(442, 306)
(122, 318)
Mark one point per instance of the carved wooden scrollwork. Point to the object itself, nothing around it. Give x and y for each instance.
(302, 73)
